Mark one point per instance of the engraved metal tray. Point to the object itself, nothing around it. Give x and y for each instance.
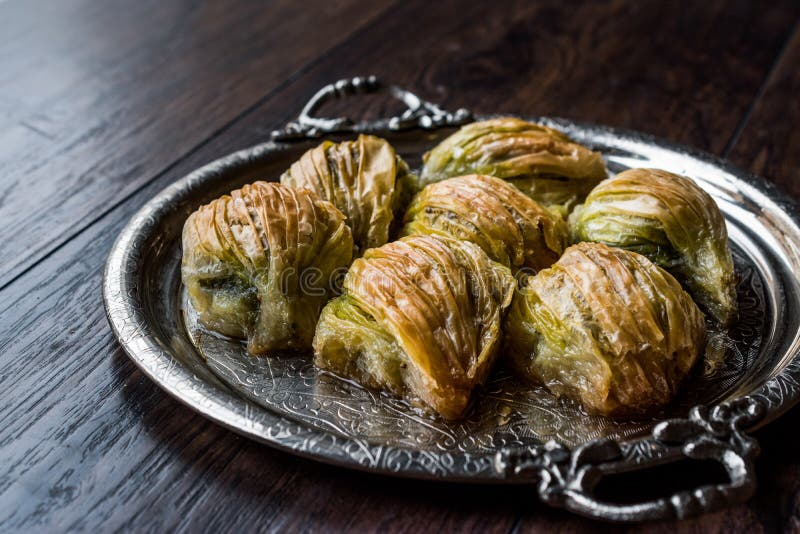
(514, 434)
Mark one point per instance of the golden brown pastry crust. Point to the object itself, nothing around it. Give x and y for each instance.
(672, 221)
(508, 225)
(606, 327)
(247, 258)
(420, 317)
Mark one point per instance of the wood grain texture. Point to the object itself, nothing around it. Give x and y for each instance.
(690, 79)
(769, 142)
(89, 91)
(86, 442)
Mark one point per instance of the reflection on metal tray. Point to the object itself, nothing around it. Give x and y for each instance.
(515, 433)
(506, 413)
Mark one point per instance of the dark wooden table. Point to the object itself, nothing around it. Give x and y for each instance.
(103, 103)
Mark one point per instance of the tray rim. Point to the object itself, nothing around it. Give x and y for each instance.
(763, 405)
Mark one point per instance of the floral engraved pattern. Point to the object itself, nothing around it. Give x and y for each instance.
(508, 413)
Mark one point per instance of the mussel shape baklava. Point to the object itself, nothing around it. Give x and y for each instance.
(606, 327)
(419, 318)
(672, 221)
(510, 227)
(260, 264)
(364, 178)
(542, 162)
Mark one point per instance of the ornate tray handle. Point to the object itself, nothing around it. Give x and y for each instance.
(568, 478)
(420, 113)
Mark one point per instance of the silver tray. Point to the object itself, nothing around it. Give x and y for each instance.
(515, 434)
